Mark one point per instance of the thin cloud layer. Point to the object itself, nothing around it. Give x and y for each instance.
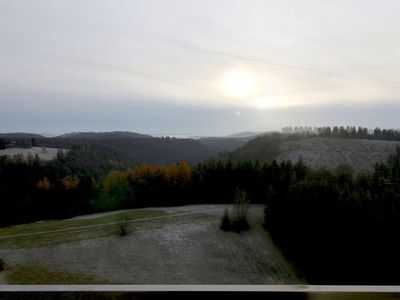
(304, 60)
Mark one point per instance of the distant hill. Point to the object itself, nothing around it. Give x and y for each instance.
(245, 134)
(18, 139)
(120, 149)
(262, 148)
(102, 135)
(221, 144)
(104, 151)
(316, 152)
(130, 148)
(20, 135)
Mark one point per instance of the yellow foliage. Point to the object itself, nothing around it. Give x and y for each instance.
(70, 182)
(43, 184)
(145, 170)
(114, 179)
(130, 175)
(19, 157)
(184, 172)
(178, 173)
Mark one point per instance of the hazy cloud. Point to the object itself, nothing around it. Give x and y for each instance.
(152, 65)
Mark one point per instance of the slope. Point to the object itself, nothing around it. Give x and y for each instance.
(177, 245)
(316, 152)
(361, 155)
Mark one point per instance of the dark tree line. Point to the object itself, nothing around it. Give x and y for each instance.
(360, 133)
(32, 190)
(82, 181)
(345, 132)
(338, 228)
(3, 144)
(17, 142)
(130, 152)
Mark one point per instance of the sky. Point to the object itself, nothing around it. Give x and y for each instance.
(198, 67)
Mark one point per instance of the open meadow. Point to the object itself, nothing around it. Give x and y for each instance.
(43, 153)
(175, 245)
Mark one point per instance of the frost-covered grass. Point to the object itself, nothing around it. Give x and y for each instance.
(181, 245)
(34, 274)
(329, 153)
(54, 232)
(70, 224)
(43, 153)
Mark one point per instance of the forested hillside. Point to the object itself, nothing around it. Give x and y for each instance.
(221, 144)
(102, 135)
(325, 148)
(103, 151)
(128, 152)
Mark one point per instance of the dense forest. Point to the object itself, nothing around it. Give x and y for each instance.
(129, 152)
(340, 228)
(127, 149)
(337, 227)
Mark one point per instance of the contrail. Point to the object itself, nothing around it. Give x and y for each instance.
(206, 51)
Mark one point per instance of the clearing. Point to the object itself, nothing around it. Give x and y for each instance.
(43, 152)
(329, 153)
(174, 245)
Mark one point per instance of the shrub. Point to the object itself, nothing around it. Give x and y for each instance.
(123, 227)
(240, 208)
(226, 222)
(2, 265)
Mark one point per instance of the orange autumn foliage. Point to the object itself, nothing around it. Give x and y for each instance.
(70, 182)
(43, 184)
(180, 173)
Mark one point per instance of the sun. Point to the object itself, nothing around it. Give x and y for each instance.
(238, 84)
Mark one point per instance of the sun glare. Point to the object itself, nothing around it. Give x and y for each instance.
(238, 84)
(250, 91)
(262, 103)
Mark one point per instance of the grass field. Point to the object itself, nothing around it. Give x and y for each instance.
(179, 245)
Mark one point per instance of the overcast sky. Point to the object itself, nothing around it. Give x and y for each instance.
(198, 67)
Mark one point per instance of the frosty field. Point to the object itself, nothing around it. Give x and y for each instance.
(43, 153)
(176, 245)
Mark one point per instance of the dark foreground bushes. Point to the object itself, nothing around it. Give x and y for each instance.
(238, 222)
(2, 265)
(226, 221)
(340, 228)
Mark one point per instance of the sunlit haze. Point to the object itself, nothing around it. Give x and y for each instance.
(197, 67)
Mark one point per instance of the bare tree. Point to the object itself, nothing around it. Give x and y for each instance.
(240, 209)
